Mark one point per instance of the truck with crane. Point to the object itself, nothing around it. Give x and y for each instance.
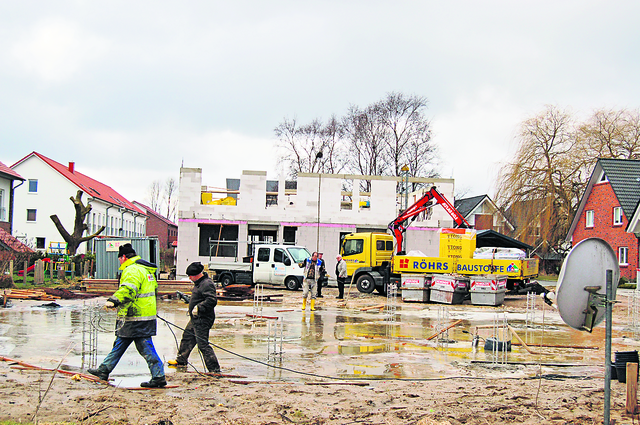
(374, 261)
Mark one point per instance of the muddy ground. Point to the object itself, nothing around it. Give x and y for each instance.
(467, 393)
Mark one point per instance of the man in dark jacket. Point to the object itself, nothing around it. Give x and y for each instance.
(135, 300)
(201, 310)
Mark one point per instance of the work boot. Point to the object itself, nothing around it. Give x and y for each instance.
(313, 305)
(304, 304)
(155, 383)
(100, 373)
(175, 363)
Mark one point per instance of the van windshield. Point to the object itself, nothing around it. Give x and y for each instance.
(299, 254)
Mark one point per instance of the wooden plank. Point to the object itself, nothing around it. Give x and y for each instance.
(445, 329)
(524, 344)
(255, 316)
(360, 384)
(373, 307)
(632, 388)
(576, 347)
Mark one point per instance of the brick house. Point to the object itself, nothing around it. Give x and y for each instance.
(157, 225)
(607, 210)
(483, 214)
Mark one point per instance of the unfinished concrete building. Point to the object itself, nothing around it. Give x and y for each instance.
(314, 211)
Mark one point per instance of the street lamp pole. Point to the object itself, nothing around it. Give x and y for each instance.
(318, 156)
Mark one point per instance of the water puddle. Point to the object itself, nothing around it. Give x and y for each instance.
(329, 342)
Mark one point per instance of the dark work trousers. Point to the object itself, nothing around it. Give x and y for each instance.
(321, 282)
(341, 287)
(197, 333)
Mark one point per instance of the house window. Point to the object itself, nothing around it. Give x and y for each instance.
(40, 243)
(3, 211)
(623, 256)
(33, 186)
(31, 215)
(589, 216)
(617, 216)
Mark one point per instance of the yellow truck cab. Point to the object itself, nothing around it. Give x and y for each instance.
(368, 256)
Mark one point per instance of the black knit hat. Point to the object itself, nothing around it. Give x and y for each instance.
(195, 269)
(126, 249)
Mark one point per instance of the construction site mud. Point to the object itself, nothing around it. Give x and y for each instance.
(359, 363)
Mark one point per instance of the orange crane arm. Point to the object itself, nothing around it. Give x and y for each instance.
(398, 226)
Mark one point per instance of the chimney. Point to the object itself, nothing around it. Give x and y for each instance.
(71, 167)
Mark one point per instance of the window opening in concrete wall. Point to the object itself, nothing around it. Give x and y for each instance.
(371, 229)
(40, 243)
(272, 192)
(31, 215)
(218, 240)
(289, 235)
(262, 235)
(33, 185)
(365, 195)
(346, 195)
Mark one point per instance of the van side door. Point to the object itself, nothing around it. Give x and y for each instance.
(279, 270)
(262, 265)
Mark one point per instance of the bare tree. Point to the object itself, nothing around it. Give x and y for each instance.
(365, 134)
(170, 188)
(376, 140)
(541, 188)
(310, 148)
(408, 134)
(153, 194)
(333, 142)
(74, 239)
(611, 134)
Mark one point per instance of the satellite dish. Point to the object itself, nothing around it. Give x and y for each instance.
(582, 281)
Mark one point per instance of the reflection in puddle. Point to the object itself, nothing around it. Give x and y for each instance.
(330, 342)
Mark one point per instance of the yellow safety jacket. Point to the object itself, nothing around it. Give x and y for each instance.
(136, 299)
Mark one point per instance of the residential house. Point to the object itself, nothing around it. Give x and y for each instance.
(157, 225)
(317, 212)
(483, 214)
(7, 177)
(47, 191)
(608, 210)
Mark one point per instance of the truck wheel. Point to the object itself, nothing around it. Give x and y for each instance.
(226, 280)
(365, 284)
(291, 283)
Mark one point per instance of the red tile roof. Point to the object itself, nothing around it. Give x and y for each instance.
(88, 185)
(13, 244)
(155, 213)
(9, 172)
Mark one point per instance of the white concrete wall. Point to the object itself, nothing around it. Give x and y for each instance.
(303, 214)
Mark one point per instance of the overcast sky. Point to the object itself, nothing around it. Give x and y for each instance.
(130, 90)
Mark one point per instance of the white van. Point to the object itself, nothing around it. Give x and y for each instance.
(271, 263)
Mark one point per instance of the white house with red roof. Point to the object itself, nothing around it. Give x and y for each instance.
(46, 192)
(7, 178)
